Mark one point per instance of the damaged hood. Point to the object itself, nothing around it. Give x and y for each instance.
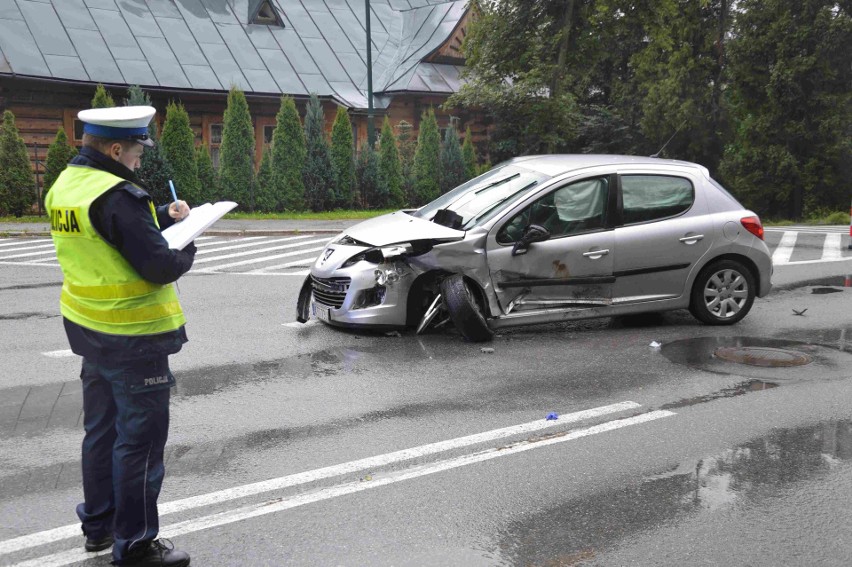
(400, 227)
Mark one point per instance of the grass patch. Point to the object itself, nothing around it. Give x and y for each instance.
(25, 218)
(322, 215)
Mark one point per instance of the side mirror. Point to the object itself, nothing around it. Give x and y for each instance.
(533, 233)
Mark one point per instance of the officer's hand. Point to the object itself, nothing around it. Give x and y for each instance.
(190, 249)
(179, 210)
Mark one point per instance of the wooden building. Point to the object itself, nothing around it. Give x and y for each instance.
(53, 53)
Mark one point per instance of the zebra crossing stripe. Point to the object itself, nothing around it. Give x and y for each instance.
(249, 245)
(784, 250)
(261, 251)
(263, 259)
(831, 248)
(218, 242)
(51, 251)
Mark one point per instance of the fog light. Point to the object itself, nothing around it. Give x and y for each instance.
(370, 297)
(381, 277)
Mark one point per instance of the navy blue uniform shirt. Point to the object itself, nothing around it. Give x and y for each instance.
(123, 219)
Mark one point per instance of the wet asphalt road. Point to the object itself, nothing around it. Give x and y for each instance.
(713, 463)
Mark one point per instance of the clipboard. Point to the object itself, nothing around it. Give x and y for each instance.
(199, 219)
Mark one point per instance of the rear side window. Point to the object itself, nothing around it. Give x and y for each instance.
(652, 197)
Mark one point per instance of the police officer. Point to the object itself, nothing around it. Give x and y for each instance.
(122, 315)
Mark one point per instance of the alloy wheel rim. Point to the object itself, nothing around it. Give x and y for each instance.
(725, 293)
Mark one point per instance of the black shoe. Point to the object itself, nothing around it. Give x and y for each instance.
(160, 553)
(99, 544)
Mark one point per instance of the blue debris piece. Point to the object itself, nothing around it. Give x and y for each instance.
(552, 416)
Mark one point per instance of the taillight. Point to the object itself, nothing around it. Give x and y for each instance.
(752, 224)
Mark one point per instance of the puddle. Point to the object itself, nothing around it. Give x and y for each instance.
(703, 353)
(833, 281)
(31, 286)
(576, 531)
(738, 390)
(825, 290)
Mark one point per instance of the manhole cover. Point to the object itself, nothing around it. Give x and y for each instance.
(762, 356)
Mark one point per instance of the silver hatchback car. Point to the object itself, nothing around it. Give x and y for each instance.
(542, 239)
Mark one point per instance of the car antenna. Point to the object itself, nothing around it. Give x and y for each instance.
(656, 155)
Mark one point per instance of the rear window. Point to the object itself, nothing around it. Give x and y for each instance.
(648, 198)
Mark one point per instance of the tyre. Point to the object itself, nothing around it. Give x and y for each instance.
(464, 311)
(723, 293)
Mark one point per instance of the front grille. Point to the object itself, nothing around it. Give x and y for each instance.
(330, 291)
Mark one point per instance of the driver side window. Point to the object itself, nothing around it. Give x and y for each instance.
(571, 209)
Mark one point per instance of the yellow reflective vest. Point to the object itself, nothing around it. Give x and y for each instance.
(102, 291)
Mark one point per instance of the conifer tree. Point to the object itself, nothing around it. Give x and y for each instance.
(59, 153)
(265, 198)
(207, 181)
(367, 178)
(317, 173)
(236, 169)
(342, 157)
(452, 162)
(469, 155)
(427, 160)
(155, 170)
(407, 146)
(288, 157)
(17, 183)
(390, 169)
(102, 98)
(178, 146)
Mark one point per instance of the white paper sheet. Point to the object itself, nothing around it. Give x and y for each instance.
(200, 219)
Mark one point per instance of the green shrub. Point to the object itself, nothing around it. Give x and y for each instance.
(207, 179)
(469, 155)
(452, 161)
(367, 178)
(390, 169)
(407, 146)
(427, 160)
(317, 173)
(59, 153)
(288, 157)
(102, 98)
(343, 158)
(178, 146)
(265, 199)
(17, 183)
(236, 162)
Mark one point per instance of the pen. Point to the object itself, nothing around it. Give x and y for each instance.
(174, 195)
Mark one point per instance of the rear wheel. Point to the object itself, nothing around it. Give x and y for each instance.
(464, 310)
(723, 293)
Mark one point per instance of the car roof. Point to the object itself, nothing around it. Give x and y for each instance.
(557, 164)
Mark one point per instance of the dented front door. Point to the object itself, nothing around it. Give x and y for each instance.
(573, 268)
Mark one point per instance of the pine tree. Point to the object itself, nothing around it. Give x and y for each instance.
(367, 178)
(407, 147)
(452, 162)
(469, 155)
(342, 157)
(288, 157)
(207, 181)
(390, 169)
(17, 183)
(317, 173)
(265, 199)
(58, 155)
(427, 160)
(178, 146)
(102, 98)
(236, 169)
(155, 170)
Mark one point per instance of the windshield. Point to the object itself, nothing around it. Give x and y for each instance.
(481, 198)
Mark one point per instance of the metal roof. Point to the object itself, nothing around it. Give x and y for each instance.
(210, 45)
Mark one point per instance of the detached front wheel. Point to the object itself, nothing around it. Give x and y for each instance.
(723, 293)
(464, 310)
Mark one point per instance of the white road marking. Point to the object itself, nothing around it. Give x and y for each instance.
(26, 264)
(297, 325)
(229, 244)
(57, 534)
(820, 261)
(831, 248)
(278, 505)
(785, 248)
(260, 251)
(261, 259)
(59, 353)
(281, 266)
(21, 242)
(29, 254)
(48, 245)
(811, 229)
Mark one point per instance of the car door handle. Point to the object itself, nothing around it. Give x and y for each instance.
(595, 254)
(691, 239)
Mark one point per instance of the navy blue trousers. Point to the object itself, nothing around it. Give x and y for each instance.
(126, 418)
